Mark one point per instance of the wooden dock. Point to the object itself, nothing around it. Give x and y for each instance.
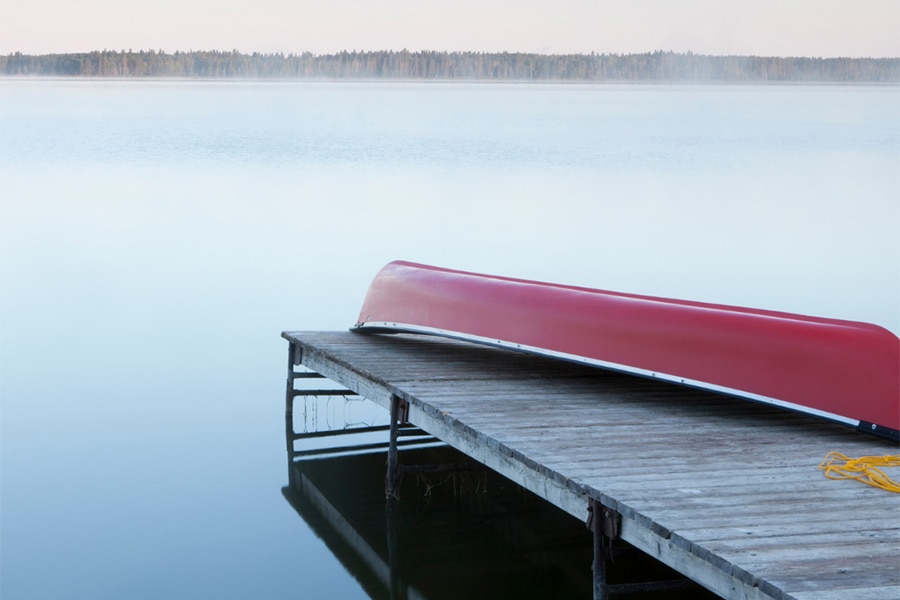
(725, 491)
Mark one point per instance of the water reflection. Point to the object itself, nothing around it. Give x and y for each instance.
(452, 535)
(458, 530)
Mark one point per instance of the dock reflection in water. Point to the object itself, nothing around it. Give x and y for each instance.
(457, 531)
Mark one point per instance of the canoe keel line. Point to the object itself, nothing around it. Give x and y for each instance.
(843, 371)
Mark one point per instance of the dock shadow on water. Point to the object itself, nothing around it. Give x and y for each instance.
(458, 530)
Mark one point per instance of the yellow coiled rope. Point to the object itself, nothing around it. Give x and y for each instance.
(865, 469)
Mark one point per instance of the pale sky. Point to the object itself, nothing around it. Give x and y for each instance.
(824, 28)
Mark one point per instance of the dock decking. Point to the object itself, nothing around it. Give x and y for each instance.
(726, 491)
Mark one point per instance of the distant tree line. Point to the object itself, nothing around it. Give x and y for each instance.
(655, 66)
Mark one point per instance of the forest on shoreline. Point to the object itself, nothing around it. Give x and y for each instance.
(502, 66)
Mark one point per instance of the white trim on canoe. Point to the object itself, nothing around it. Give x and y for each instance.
(408, 328)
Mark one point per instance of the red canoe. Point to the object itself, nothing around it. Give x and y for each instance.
(843, 371)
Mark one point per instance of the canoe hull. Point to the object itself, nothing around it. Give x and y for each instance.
(843, 371)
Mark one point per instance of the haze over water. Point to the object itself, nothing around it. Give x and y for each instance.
(156, 236)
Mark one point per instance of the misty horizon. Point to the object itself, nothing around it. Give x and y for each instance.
(361, 50)
(464, 66)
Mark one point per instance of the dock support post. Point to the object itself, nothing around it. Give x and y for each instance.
(601, 591)
(399, 416)
(295, 357)
(604, 525)
(293, 352)
(395, 588)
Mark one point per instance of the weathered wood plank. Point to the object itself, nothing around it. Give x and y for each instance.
(849, 593)
(787, 525)
(831, 573)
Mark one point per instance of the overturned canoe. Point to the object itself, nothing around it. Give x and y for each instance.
(843, 371)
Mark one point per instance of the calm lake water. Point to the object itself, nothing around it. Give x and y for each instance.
(156, 237)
